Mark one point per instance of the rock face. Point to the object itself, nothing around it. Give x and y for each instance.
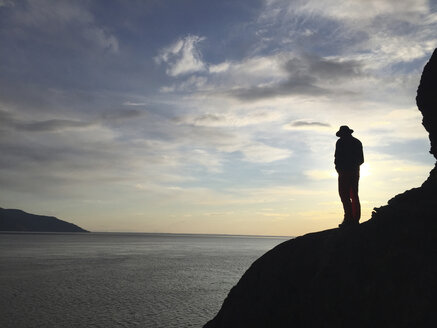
(426, 100)
(427, 104)
(382, 273)
(17, 220)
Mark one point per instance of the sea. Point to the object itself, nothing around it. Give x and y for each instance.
(120, 279)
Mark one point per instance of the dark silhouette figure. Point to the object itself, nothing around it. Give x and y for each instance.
(348, 158)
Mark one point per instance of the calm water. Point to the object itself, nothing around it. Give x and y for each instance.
(120, 280)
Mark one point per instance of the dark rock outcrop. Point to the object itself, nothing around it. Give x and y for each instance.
(382, 273)
(426, 100)
(17, 220)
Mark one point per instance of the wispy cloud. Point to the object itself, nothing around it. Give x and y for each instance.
(51, 125)
(279, 75)
(306, 124)
(230, 118)
(133, 103)
(182, 56)
(8, 120)
(357, 10)
(307, 75)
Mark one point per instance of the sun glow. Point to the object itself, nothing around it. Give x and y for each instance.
(365, 170)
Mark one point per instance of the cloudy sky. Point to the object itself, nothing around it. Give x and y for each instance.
(208, 116)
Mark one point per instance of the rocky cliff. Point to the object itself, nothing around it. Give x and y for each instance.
(17, 220)
(382, 273)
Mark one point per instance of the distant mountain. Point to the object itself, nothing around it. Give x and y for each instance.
(17, 220)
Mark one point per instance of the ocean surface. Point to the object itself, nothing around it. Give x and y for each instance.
(120, 279)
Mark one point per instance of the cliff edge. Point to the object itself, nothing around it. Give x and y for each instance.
(382, 273)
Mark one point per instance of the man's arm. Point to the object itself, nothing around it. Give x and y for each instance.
(336, 154)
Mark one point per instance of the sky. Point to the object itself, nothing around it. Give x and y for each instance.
(197, 116)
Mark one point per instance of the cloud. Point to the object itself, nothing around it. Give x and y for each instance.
(207, 119)
(214, 134)
(52, 125)
(219, 68)
(234, 75)
(121, 115)
(5, 116)
(57, 125)
(192, 83)
(102, 38)
(380, 32)
(52, 18)
(254, 68)
(210, 161)
(230, 119)
(278, 75)
(261, 153)
(182, 56)
(302, 86)
(358, 10)
(308, 75)
(306, 124)
(9, 121)
(93, 157)
(133, 103)
(320, 68)
(401, 48)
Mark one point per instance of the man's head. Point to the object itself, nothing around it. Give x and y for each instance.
(344, 131)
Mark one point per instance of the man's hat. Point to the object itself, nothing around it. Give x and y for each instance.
(344, 130)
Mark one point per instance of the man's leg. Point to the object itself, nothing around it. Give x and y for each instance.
(355, 200)
(344, 187)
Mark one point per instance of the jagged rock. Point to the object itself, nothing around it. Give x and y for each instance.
(426, 100)
(382, 273)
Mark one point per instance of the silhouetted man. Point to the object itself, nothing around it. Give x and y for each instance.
(348, 158)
